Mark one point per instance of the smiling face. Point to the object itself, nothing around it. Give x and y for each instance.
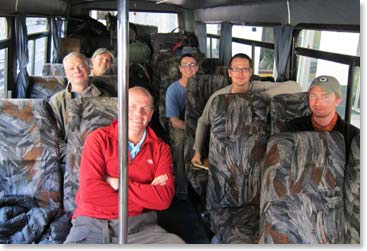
(240, 72)
(101, 64)
(188, 67)
(76, 70)
(322, 104)
(140, 112)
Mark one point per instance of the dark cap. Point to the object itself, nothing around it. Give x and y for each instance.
(328, 84)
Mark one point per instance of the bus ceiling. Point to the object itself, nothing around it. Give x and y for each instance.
(292, 12)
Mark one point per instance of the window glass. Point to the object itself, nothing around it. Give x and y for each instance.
(330, 41)
(213, 29)
(37, 56)
(241, 48)
(212, 47)
(40, 55)
(3, 75)
(253, 33)
(3, 28)
(36, 24)
(31, 52)
(356, 98)
(166, 22)
(265, 62)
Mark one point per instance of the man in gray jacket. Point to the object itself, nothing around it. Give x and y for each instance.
(77, 71)
(240, 71)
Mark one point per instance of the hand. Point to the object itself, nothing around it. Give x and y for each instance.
(196, 159)
(114, 182)
(160, 180)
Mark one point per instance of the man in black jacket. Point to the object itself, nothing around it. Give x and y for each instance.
(324, 95)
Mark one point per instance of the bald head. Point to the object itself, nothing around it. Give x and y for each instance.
(137, 90)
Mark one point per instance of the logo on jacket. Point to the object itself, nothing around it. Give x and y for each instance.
(149, 161)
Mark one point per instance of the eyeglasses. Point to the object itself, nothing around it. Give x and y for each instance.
(239, 69)
(188, 65)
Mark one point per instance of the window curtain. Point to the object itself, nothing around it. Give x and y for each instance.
(282, 43)
(201, 31)
(22, 56)
(225, 44)
(56, 38)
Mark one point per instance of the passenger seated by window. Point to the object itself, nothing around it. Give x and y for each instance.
(240, 72)
(102, 60)
(324, 95)
(175, 111)
(151, 185)
(77, 72)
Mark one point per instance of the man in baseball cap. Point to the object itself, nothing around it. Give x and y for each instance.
(324, 95)
(102, 61)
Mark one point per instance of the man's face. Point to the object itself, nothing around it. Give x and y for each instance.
(140, 111)
(76, 70)
(321, 103)
(188, 67)
(101, 64)
(240, 72)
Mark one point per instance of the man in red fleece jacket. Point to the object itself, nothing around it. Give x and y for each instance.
(151, 185)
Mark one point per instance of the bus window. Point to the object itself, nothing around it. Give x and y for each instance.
(346, 43)
(166, 22)
(263, 59)
(3, 56)
(356, 98)
(37, 30)
(213, 43)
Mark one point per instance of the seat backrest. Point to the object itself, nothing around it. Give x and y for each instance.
(29, 151)
(53, 69)
(198, 91)
(352, 192)
(44, 87)
(284, 107)
(302, 189)
(237, 149)
(85, 115)
(30, 176)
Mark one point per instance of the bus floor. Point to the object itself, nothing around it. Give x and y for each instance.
(183, 218)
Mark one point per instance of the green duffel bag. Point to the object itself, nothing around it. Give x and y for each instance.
(139, 53)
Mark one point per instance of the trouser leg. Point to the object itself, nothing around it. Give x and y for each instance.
(177, 145)
(87, 230)
(143, 229)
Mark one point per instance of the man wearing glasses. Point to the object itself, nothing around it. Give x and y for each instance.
(175, 111)
(240, 72)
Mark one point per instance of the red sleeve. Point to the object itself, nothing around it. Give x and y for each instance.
(155, 197)
(93, 187)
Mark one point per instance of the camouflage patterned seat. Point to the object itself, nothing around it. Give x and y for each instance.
(352, 193)
(53, 69)
(45, 87)
(284, 107)
(30, 188)
(85, 115)
(302, 189)
(236, 153)
(198, 91)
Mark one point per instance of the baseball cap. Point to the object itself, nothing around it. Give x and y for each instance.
(328, 84)
(103, 50)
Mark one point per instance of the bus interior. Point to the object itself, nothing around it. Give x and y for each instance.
(288, 40)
